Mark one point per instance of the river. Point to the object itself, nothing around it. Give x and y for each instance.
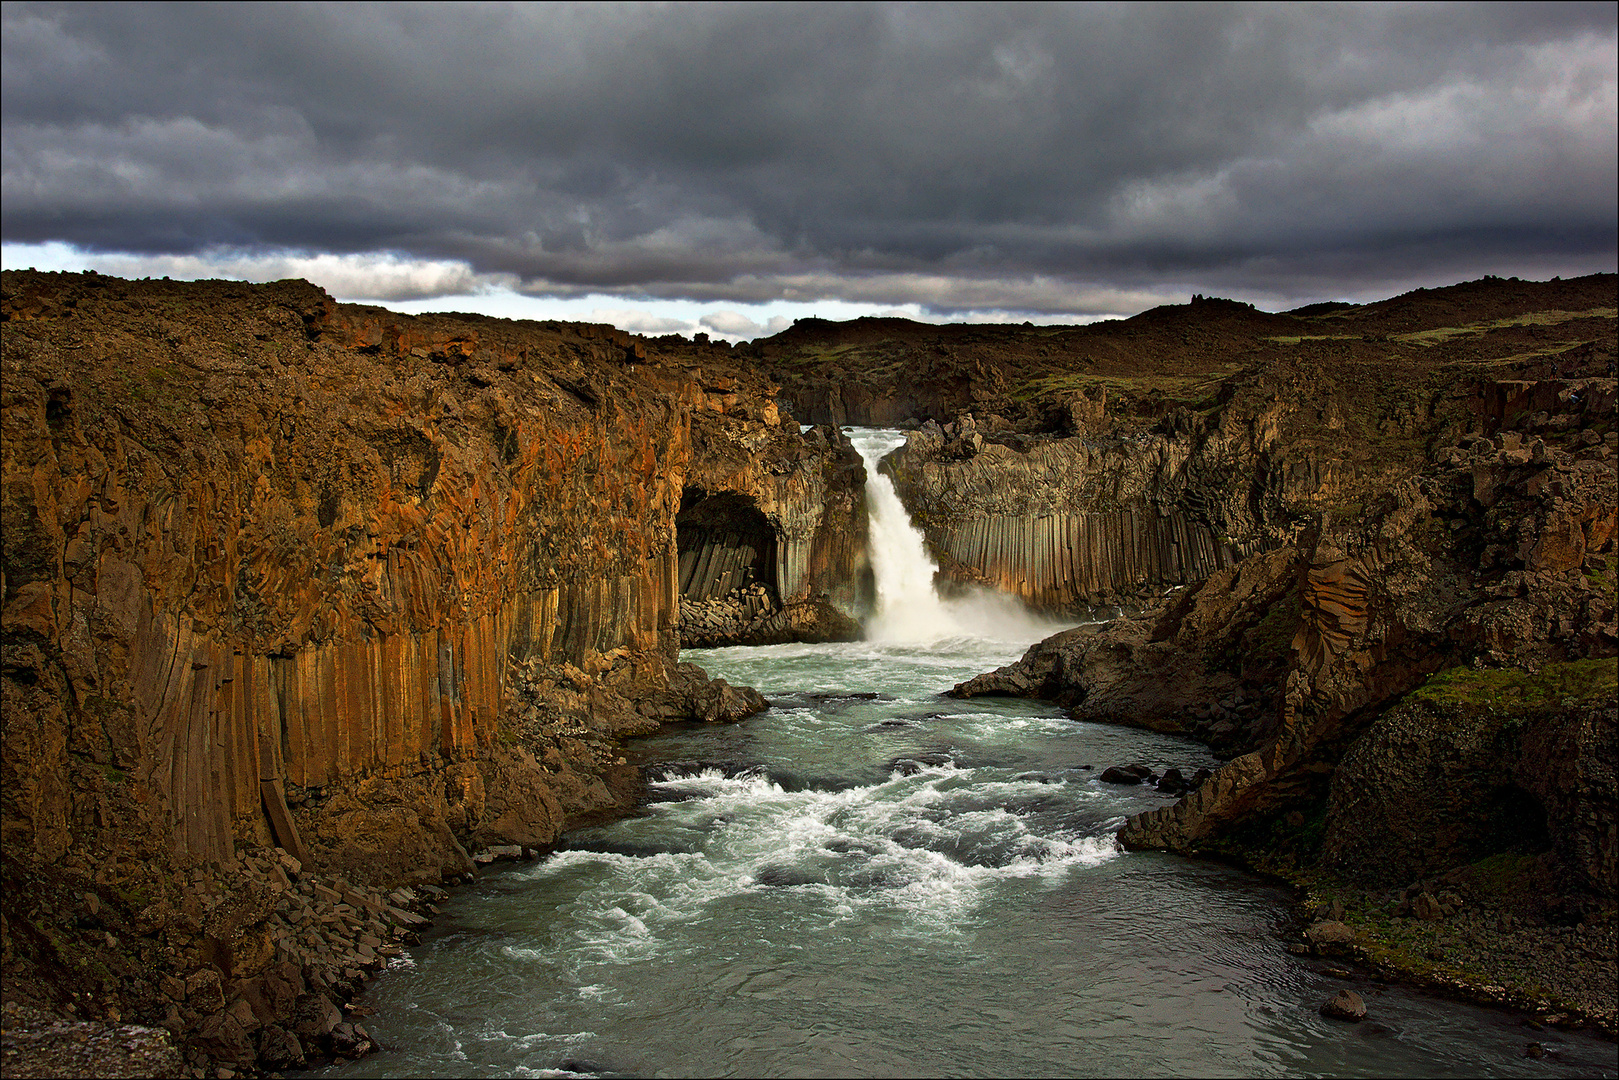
(872, 880)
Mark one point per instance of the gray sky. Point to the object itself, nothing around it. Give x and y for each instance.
(1045, 162)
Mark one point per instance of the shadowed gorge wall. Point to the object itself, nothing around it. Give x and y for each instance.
(1062, 561)
(725, 544)
(1061, 523)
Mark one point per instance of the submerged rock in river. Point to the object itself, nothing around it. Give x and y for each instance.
(1126, 774)
(1345, 1005)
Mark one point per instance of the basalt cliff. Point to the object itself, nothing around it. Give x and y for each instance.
(308, 607)
(308, 604)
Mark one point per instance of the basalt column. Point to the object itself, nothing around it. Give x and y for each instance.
(1063, 524)
(727, 566)
(771, 535)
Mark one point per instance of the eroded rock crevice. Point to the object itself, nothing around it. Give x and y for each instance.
(727, 569)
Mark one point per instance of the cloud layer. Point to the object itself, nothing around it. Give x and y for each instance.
(1051, 160)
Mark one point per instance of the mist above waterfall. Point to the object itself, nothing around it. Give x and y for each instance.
(909, 608)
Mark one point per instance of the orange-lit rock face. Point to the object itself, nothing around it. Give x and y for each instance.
(252, 534)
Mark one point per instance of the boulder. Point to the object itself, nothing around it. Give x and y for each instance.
(1330, 937)
(1426, 907)
(691, 695)
(1344, 1005)
(223, 1039)
(314, 1016)
(722, 703)
(1126, 774)
(280, 1049)
(204, 994)
(352, 1040)
(1172, 782)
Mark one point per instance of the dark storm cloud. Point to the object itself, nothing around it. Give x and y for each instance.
(1038, 158)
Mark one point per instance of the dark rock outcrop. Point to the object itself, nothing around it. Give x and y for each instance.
(1435, 784)
(1431, 578)
(692, 695)
(749, 617)
(1064, 524)
(1208, 663)
(1126, 774)
(1488, 563)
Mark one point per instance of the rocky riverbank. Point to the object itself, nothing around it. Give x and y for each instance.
(1417, 705)
(1469, 935)
(748, 616)
(251, 965)
(327, 937)
(35, 1043)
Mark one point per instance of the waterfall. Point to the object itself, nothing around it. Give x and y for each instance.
(908, 608)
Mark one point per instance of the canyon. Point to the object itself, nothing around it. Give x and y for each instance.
(309, 606)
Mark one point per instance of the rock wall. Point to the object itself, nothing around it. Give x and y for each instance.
(772, 536)
(376, 590)
(256, 538)
(1207, 662)
(1068, 523)
(1435, 784)
(309, 559)
(1498, 554)
(1130, 506)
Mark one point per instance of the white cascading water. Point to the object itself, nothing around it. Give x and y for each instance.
(909, 610)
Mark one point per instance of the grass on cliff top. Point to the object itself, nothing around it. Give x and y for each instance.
(1534, 318)
(1579, 682)
(1192, 389)
(1556, 348)
(1294, 339)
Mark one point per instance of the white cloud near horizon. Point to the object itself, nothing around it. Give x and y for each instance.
(416, 286)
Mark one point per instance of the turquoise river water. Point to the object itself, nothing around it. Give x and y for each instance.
(872, 880)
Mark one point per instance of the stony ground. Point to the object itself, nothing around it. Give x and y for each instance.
(34, 1043)
(1474, 947)
(102, 1004)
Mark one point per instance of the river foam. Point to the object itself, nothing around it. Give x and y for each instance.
(920, 848)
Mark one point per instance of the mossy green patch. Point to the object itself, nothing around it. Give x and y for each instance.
(1603, 576)
(1502, 874)
(1578, 682)
(1195, 390)
(1534, 318)
(1287, 339)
